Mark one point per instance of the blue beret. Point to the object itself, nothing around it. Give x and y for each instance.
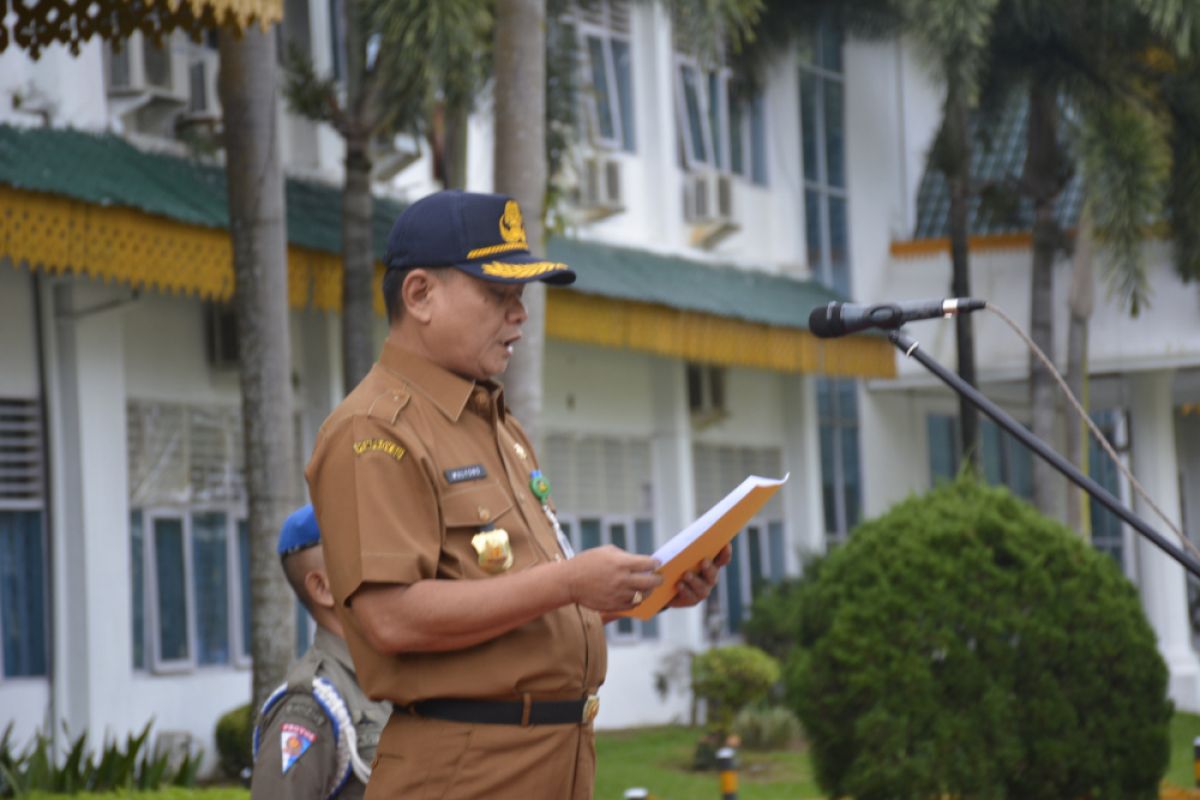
(299, 532)
(480, 234)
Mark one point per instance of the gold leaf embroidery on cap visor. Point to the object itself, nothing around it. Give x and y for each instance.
(499, 269)
(491, 250)
(379, 446)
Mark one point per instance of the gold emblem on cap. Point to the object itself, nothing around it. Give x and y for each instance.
(512, 227)
(494, 550)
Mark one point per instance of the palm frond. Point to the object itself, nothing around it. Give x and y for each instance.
(1125, 157)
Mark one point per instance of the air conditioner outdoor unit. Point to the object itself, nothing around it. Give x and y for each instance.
(601, 189)
(708, 207)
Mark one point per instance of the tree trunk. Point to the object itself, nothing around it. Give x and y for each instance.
(248, 87)
(454, 153)
(520, 142)
(960, 285)
(358, 260)
(1082, 301)
(358, 255)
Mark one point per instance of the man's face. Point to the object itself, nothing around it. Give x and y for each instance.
(476, 323)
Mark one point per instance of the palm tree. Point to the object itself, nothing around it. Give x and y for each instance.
(247, 85)
(404, 60)
(521, 171)
(1093, 109)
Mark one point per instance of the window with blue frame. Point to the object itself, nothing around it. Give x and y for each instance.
(1003, 459)
(601, 487)
(189, 546)
(628, 533)
(760, 550)
(602, 28)
(823, 157)
(721, 120)
(23, 558)
(841, 475)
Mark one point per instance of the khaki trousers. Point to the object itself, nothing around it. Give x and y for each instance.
(430, 759)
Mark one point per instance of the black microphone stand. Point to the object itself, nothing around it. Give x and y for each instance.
(909, 346)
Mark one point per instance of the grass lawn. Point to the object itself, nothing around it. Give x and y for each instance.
(658, 759)
(1184, 729)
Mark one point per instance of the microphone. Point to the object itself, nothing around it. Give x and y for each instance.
(839, 319)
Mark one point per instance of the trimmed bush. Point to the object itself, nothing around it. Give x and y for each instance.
(235, 741)
(772, 728)
(731, 678)
(963, 645)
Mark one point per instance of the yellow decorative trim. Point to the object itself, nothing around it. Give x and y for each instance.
(695, 336)
(491, 250)
(499, 269)
(918, 248)
(56, 234)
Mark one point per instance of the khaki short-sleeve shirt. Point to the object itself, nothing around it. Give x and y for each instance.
(406, 471)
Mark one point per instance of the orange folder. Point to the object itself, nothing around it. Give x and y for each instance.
(704, 538)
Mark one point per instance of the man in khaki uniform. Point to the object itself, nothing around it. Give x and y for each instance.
(316, 734)
(461, 600)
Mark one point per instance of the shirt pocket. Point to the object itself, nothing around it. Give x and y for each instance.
(469, 511)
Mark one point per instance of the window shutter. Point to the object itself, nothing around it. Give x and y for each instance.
(20, 452)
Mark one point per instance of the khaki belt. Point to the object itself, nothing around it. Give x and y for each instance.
(511, 712)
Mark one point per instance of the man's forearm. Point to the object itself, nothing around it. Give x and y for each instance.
(438, 615)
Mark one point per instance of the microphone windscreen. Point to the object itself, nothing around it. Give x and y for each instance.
(825, 322)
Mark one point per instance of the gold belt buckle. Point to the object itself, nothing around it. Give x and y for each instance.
(591, 708)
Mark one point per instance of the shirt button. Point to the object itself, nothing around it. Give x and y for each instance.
(558, 556)
(484, 514)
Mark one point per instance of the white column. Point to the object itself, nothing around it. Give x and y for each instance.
(93, 645)
(1161, 579)
(803, 507)
(674, 486)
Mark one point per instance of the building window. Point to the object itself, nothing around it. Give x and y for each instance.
(602, 30)
(602, 488)
(1003, 459)
(841, 476)
(759, 551)
(1007, 462)
(633, 534)
(823, 144)
(1108, 532)
(189, 544)
(721, 122)
(23, 639)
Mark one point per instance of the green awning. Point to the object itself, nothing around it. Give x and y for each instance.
(106, 170)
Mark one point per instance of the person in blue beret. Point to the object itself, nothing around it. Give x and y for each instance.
(316, 734)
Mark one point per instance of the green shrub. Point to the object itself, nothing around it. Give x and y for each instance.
(731, 678)
(118, 766)
(964, 645)
(235, 741)
(770, 728)
(775, 614)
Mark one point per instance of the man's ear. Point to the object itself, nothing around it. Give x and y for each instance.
(317, 584)
(416, 293)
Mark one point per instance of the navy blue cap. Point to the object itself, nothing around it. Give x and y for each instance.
(480, 234)
(299, 532)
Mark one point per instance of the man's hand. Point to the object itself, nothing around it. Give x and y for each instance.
(609, 579)
(696, 585)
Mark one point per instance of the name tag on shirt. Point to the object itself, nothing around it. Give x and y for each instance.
(463, 474)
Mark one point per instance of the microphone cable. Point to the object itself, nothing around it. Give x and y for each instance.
(1097, 434)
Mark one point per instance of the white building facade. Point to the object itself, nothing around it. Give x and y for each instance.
(123, 594)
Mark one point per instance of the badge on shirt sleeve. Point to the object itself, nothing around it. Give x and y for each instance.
(294, 741)
(494, 550)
